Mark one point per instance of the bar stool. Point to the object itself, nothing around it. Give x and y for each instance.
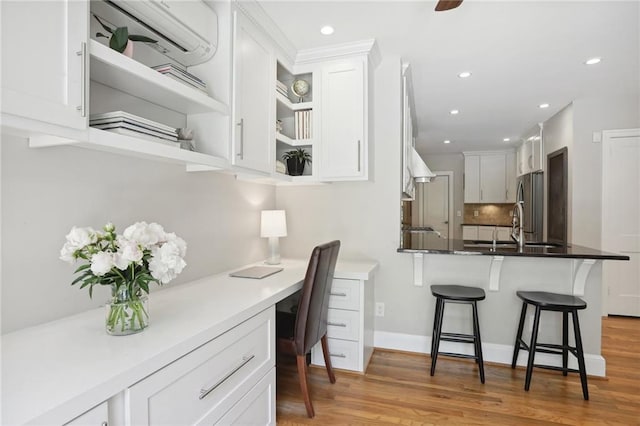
(544, 301)
(456, 294)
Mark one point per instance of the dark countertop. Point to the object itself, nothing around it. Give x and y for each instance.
(508, 248)
(507, 225)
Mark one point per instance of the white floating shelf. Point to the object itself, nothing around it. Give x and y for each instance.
(293, 142)
(106, 141)
(293, 106)
(115, 70)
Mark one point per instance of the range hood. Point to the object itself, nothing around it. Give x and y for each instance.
(419, 169)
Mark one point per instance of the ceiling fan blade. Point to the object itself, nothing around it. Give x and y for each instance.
(447, 5)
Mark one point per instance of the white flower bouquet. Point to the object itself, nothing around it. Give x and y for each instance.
(127, 263)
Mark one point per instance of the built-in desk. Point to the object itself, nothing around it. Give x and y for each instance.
(54, 372)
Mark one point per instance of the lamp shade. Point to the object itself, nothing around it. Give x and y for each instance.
(273, 223)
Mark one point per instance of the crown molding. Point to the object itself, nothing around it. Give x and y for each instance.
(337, 51)
(254, 11)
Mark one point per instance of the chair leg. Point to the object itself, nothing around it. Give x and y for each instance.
(435, 324)
(565, 342)
(304, 387)
(327, 358)
(478, 341)
(436, 346)
(580, 353)
(532, 348)
(516, 346)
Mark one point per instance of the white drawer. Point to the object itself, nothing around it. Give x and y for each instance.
(343, 324)
(344, 354)
(258, 407)
(204, 384)
(345, 294)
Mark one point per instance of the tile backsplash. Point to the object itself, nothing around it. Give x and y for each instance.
(488, 214)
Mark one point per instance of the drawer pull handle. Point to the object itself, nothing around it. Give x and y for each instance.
(337, 324)
(245, 361)
(338, 294)
(338, 355)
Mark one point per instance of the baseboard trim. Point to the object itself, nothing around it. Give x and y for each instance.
(492, 352)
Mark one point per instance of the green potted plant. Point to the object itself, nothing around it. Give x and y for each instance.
(296, 160)
(120, 39)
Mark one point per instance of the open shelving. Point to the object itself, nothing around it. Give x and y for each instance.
(115, 70)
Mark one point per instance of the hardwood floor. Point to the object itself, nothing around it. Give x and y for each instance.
(397, 389)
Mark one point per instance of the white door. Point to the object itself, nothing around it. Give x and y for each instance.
(431, 208)
(254, 77)
(343, 148)
(621, 219)
(44, 61)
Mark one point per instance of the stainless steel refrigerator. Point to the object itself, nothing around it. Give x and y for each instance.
(531, 192)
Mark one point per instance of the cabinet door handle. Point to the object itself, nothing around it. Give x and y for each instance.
(83, 79)
(481, 196)
(241, 153)
(506, 194)
(337, 324)
(207, 391)
(338, 355)
(359, 154)
(338, 294)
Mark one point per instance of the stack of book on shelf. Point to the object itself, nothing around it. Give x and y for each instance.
(131, 125)
(281, 88)
(181, 75)
(302, 124)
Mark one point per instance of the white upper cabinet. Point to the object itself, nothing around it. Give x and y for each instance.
(530, 153)
(44, 61)
(344, 151)
(511, 176)
(493, 187)
(471, 178)
(489, 177)
(253, 77)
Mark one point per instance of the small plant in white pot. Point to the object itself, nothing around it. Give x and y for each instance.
(120, 39)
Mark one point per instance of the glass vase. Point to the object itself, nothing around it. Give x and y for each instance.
(126, 313)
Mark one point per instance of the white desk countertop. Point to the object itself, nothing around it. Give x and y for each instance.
(62, 368)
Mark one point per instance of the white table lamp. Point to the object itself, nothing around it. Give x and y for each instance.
(273, 225)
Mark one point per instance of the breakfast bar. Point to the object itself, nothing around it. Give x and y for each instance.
(502, 269)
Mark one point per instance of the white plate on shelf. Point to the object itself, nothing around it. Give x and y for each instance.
(130, 117)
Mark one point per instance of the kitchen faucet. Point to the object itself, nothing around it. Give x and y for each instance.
(517, 228)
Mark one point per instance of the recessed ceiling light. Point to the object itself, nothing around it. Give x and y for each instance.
(593, 61)
(506, 139)
(327, 30)
(454, 112)
(543, 106)
(447, 141)
(464, 74)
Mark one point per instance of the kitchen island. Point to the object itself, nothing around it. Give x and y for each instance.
(501, 271)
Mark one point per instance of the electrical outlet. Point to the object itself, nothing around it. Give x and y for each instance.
(475, 213)
(379, 309)
(458, 213)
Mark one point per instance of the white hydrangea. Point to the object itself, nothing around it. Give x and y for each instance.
(77, 239)
(166, 261)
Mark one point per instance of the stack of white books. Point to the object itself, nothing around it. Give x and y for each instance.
(302, 124)
(131, 125)
(181, 75)
(281, 88)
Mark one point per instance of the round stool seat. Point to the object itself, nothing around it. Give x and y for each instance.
(552, 301)
(457, 292)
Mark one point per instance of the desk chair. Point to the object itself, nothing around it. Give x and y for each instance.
(301, 324)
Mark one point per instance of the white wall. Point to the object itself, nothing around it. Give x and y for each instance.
(365, 216)
(47, 191)
(455, 164)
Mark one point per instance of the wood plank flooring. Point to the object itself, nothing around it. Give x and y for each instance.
(397, 389)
